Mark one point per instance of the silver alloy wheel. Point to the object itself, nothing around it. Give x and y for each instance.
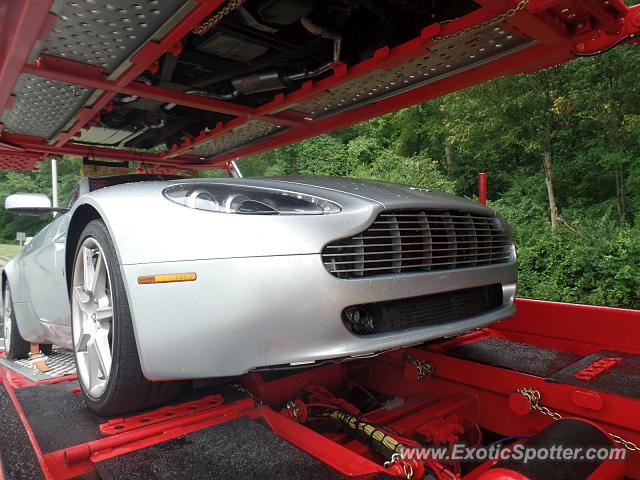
(92, 317)
(6, 316)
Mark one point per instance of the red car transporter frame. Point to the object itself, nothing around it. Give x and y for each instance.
(448, 391)
(453, 399)
(543, 33)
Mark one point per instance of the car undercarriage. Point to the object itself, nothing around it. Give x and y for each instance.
(258, 50)
(190, 85)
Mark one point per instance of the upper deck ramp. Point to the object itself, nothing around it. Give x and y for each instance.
(62, 64)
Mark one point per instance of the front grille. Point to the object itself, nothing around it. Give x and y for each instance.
(421, 241)
(396, 315)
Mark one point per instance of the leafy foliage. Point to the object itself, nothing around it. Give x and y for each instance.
(69, 174)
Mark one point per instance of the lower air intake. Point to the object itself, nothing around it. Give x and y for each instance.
(396, 315)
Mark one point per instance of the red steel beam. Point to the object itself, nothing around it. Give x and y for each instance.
(533, 58)
(541, 26)
(8, 147)
(382, 58)
(163, 95)
(534, 21)
(386, 58)
(141, 61)
(610, 22)
(31, 145)
(53, 68)
(526, 61)
(22, 22)
(188, 142)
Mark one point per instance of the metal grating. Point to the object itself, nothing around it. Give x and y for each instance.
(242, 135)
(42, 107)
(443, 59)
(61, 362)
(105, 32)
(17, 161)
(423, 241)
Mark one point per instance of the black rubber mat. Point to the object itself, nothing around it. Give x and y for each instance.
(569, 433)
(239, 449)
(88, 476)
(520, 357)
(58, 418)
(19, 460)
(623, 379)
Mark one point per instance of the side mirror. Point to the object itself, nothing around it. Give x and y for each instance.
(30, 204)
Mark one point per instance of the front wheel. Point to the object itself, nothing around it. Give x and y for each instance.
(14, 345)
(103, 339)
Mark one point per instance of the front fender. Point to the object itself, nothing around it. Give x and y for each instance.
(12, 274)
(29, 326)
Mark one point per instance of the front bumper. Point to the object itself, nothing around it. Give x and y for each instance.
(247, 313)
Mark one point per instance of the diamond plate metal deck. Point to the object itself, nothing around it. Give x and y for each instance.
(42, 107)
(448, 57)
(242, 135)
(106, 33)
(61, 362)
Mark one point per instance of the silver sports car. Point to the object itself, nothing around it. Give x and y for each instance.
(152, 280)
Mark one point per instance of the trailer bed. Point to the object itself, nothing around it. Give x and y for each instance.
(236, 428)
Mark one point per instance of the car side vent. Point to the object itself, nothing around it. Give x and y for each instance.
(422, 241)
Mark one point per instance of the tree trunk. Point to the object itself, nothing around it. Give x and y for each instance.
(449, 154)
(548, 165)
(548, 174)
(616, 146)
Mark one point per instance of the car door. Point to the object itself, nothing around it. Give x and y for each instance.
(43, 267)
(43, 270)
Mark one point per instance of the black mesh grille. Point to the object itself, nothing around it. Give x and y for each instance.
(434, 309)
(422, 241)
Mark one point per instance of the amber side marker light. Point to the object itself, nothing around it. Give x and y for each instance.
(167, 278)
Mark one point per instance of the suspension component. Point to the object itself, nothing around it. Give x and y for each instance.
(375, 437)
(378, 439)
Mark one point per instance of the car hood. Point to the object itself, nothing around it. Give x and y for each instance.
(138, 214)
(391, 196)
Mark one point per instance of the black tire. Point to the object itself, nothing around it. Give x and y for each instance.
(127, 389)
(46, 348)
(15, 346)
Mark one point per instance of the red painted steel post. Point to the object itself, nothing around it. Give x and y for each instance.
(482, 188)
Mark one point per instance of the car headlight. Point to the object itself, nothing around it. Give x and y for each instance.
(224, 198)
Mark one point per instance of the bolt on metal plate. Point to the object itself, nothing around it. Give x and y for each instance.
(448, 57)
(242, 135)
(105, 33)
(42, 107)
